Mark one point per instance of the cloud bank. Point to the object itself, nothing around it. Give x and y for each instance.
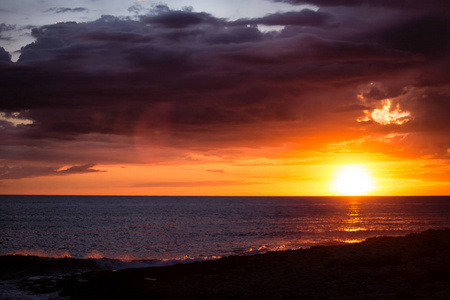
(158, 86)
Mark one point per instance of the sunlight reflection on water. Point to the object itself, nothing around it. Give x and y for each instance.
(174, 227)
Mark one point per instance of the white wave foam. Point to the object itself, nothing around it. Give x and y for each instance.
(118, 264)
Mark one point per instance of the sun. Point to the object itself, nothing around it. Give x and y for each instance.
(353, 180)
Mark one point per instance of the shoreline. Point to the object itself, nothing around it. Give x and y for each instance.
(415, 266)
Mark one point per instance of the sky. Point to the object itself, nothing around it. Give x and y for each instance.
(257, 97)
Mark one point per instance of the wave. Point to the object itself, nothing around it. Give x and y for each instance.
(32, 264)
(24, 272)
(40, 262)
(95, 260)
(382, 256)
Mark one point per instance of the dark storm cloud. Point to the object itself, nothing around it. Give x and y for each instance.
(304, 17)
(165, 17)
(4, 55)
(7, 27)
(187, 80)
(61, 10)
(396, 4)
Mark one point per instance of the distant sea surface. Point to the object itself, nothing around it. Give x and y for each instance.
(177, 228)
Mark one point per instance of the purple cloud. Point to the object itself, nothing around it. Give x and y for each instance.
(174, 81)
(4, 55)
(7, 172)
(400, 4)
(304, 17)
(163, 16)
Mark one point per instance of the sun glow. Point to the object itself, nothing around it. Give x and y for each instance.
(353, 180)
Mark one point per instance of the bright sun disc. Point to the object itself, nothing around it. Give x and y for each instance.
(353, 180)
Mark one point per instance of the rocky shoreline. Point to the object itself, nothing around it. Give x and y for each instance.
(416, 266)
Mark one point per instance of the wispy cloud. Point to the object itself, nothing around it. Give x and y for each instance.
(194, 183)
(62, 10)
(216, 171)
(34, 171)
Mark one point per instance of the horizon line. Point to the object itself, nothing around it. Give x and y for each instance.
(286, 196)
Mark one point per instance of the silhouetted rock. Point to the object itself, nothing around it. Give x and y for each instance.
(416, 266)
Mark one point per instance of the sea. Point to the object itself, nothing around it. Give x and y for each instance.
(140, 231)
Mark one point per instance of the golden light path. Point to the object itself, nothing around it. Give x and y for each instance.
(353, 180)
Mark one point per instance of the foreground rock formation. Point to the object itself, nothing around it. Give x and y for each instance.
(416, 266)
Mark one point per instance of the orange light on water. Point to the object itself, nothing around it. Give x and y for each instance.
(41, 253)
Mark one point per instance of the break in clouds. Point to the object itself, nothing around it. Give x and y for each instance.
(165, 85)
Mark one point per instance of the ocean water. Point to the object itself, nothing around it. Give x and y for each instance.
(113, 233)
(160, 229)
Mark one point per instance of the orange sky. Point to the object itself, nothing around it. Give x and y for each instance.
(285, 176)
